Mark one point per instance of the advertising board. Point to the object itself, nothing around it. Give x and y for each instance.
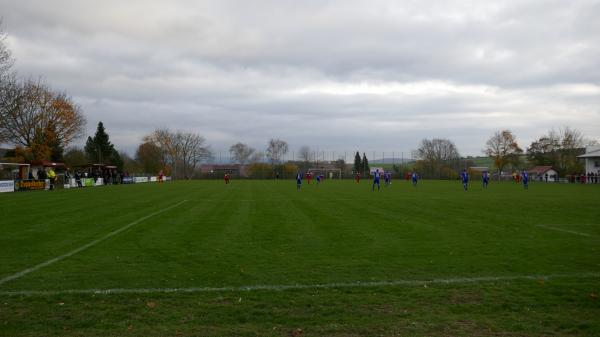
(32, 185)
(7, 186)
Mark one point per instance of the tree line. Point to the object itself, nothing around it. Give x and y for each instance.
(439, 158)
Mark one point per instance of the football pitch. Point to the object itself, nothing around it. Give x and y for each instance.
(258, 258)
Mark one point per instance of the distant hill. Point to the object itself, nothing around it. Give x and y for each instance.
(396, 161)
(481, 161)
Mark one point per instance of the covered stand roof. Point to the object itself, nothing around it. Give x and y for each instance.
(46, 163)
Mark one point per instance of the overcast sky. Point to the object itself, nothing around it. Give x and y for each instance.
(333, 75)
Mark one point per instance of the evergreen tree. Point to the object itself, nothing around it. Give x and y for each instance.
(91, 150)
(365, 164)
(357, 163)
(55, 148)
(116, 160)
(99, 149)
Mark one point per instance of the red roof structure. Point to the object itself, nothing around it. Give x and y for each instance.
(539, 170)
(46, 163)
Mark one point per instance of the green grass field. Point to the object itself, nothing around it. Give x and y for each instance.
(258, 258)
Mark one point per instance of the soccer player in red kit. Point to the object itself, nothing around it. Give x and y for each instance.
(227, 178)
(357, 177)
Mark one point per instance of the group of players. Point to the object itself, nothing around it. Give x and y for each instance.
(387, 178)
(485, 178)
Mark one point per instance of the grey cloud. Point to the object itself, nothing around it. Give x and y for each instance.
(246, 71)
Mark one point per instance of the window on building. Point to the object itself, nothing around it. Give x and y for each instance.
(597, 163)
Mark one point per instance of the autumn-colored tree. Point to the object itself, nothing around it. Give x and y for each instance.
(149, 157)
(46, 146)
(18, 155)
(503, 149)
(28, 110)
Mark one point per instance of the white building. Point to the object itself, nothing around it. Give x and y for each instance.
(543, 173)
(592, 159)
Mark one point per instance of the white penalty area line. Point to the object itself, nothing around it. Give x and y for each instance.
(564, 230)
(253, 288)
(86, 246)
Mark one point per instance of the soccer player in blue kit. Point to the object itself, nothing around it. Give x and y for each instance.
(525, 177)
(485, 177)
(464, 177)
(298, 181)
(387, 178)
(376, 177)
(415, 178)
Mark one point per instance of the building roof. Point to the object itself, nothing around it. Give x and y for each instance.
(479, 168)
(46, 163)
(590, 154)
(541, 169)
(206, 168)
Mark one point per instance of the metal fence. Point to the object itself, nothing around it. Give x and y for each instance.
(316, 156)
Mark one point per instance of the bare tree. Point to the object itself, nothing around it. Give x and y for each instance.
(193, 152)
(170, 150)
(571, 144)
(182, 150)
(559, 149)
(503, 149)
(435, 155)
(276, 150)
(27, 109)
(10, 94)
(6, 60)
(257, 157)
(241, 153)
(8, 83)
(305, 154)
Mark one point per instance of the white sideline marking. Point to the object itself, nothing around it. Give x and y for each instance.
(564, 230)
(84, 247)
(358, 284)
